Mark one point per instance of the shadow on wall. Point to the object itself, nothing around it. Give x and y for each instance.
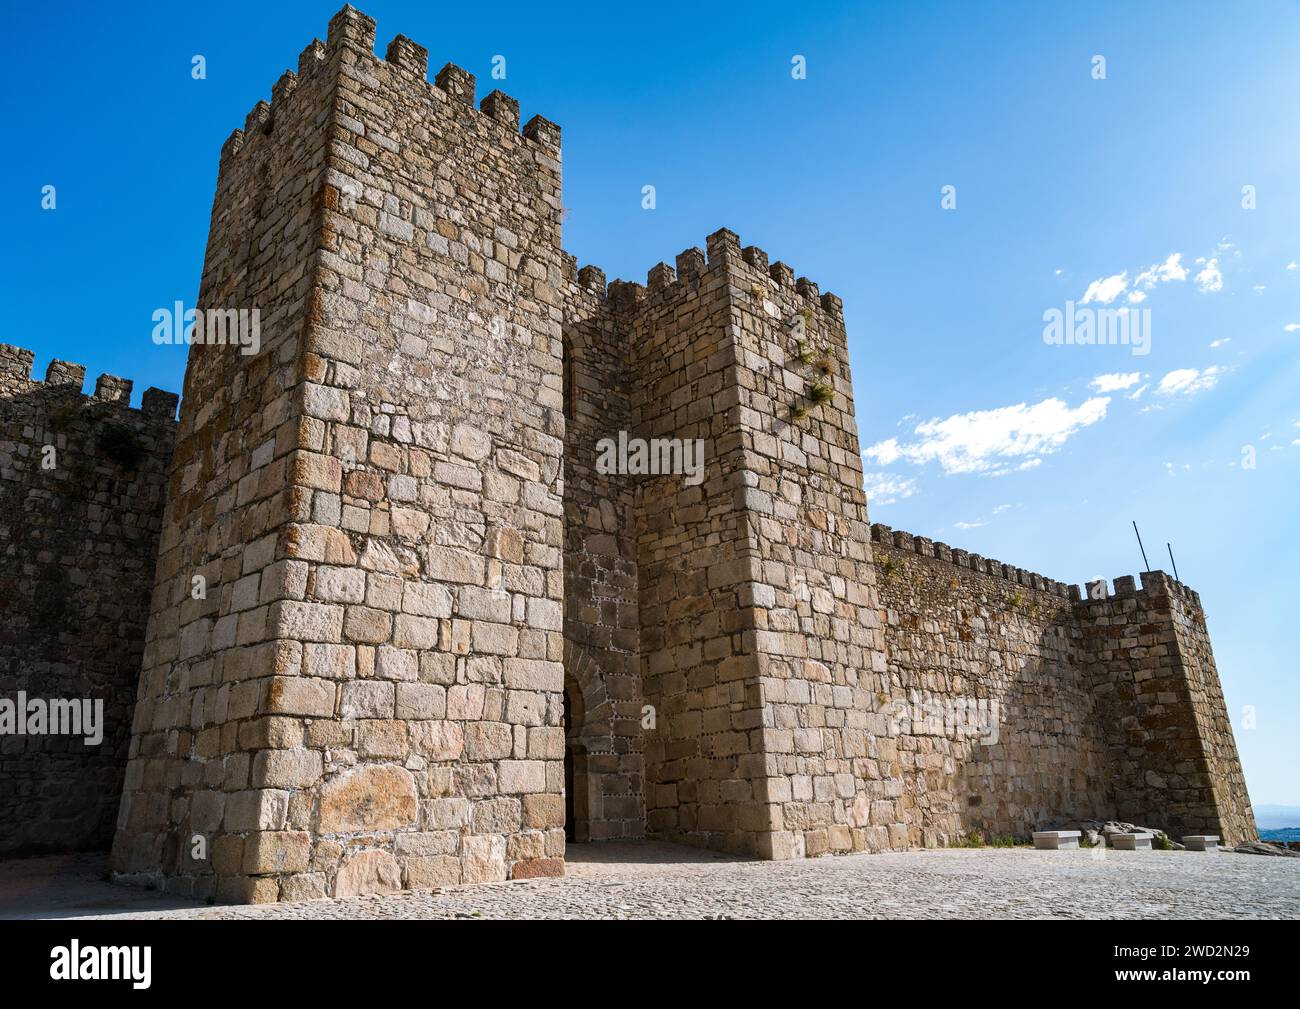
(82, 487)
(993, 727)
(1021, 704)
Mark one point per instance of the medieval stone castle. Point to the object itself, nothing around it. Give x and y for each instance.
(371, 617)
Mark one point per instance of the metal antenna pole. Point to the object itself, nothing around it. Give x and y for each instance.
(1141, 547)
(1173, 562)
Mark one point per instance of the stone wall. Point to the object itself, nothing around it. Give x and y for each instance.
(1172, 759)
(1017, 701)
(691, 560)
(990, 715)
(603, 701)
(759, 635)
(817, 647)
(81, 500)
(369, 697)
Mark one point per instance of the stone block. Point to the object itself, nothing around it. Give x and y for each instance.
(1051, 840)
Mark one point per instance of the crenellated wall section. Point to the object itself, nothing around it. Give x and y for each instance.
(82, 481)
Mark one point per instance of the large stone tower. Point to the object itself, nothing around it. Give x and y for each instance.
(755, 613)
(352, 675)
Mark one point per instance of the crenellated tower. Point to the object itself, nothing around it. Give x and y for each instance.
(759, 640)
(353, 672)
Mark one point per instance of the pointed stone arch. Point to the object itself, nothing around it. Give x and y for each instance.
(588, 741)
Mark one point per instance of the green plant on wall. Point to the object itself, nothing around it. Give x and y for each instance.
(820, 392)
(820, 358)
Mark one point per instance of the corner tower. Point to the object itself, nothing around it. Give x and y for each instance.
(760, 647)
(353, 668)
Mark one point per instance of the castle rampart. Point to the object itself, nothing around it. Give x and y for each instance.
(412, 619)
(82, 482)
(1107, 704)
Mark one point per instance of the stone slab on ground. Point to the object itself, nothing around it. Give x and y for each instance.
(1056, 840)
(1201, 842)
(1131, 842)
(624, 880)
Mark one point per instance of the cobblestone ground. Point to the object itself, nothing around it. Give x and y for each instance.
(650, 880)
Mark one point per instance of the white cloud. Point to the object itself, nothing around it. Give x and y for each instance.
(1259, 288)
(886, 488)
(884, 452)
(1137, 393)
(1189, 381)
(1221, 341)
(1210, 279)
(1116, 381)
(1106, 290)
(969, 525)
(1293, 265)
(1001, 508)
(988, 441)
(1171, 269)
(1291, 327)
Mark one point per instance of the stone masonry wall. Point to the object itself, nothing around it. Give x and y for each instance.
(759, 632)
(1172, 760)
(372, 698)
(224, 679)
(81, 502)
(601, 624)
(812, 604)
(990, 715)
(701, 755)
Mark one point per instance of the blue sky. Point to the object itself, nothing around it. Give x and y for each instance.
(1128, 190)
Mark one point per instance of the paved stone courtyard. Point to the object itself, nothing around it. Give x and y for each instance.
(649, 880)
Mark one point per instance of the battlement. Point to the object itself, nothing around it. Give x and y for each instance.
(1153, 583)
(352, 32)
(16, 377)
(1096, 591)
(900, 540)
(722, 248)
